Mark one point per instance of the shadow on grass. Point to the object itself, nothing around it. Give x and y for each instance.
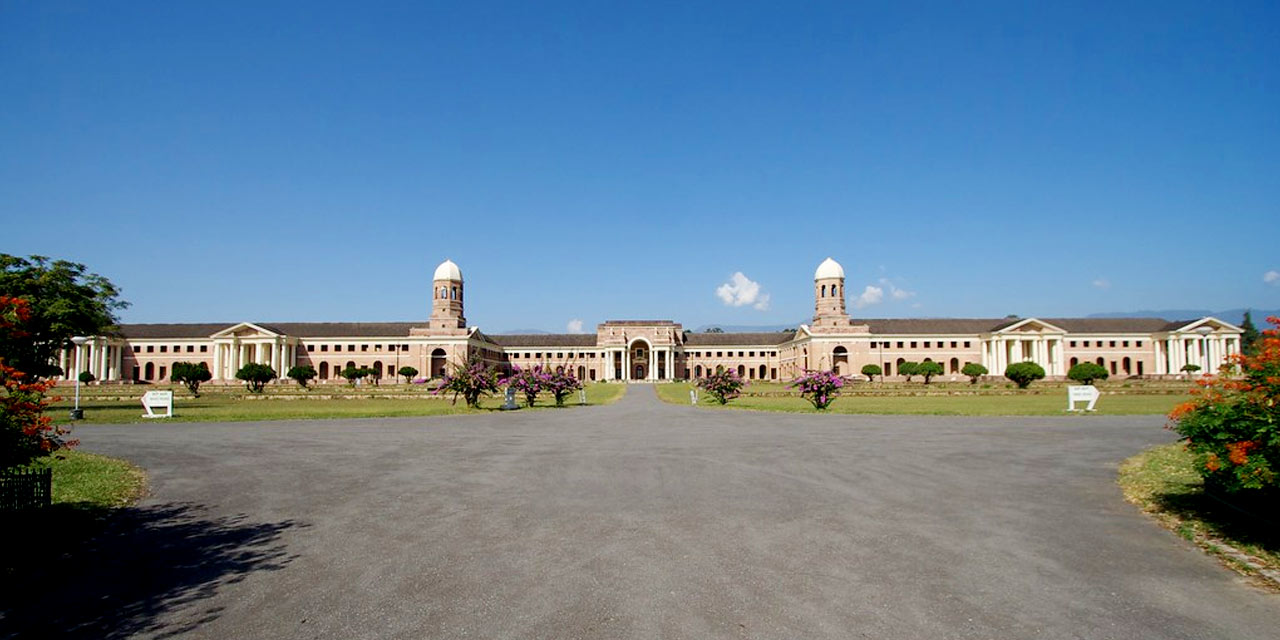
(1245, 520)
(73, 571)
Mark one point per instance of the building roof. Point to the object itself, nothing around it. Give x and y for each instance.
(640, 323)
(544, 340)
(298, 329)
(828, 269)
(447, 271)
(926, 326)
(772, 338)
(1115, 325)
(184, 330)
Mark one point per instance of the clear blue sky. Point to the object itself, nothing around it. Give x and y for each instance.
(314, 161)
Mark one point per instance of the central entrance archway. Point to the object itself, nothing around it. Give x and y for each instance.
(639, 354)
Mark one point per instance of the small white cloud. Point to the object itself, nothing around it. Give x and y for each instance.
(741, 291)
(574, 326)
(894, 291)
(1102, 283)
(1272, 278)
(871, 295)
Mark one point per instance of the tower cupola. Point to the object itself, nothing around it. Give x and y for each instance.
(446, 297)
(828, 295)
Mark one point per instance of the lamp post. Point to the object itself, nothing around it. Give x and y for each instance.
(77, 413)
(1204, 346)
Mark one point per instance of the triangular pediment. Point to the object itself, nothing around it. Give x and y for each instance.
(1030, 326)
(246, 330)
(1211, 322)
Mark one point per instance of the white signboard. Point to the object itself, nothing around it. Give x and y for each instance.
(693, 396)
(153, 400)
(1082, 393)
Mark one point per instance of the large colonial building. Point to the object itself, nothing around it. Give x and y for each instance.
(656, 350)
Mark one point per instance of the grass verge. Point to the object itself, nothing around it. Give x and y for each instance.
(222, 404)
(1162, 481)
(956, 402)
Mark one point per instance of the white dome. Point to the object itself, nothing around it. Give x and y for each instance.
(448, 271)
(828, 269)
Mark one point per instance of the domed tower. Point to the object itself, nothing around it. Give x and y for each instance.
(828, 295)
(446, 297)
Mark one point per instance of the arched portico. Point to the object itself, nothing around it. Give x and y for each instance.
(639, 355)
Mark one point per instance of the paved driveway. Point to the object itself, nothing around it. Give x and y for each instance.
(644, 520)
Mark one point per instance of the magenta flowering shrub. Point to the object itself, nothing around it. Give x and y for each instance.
(471, 381)
(529, 382)
(819, 387)
(561, 383)
(723, 385)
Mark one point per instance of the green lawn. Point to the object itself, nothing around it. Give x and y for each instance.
(119, 404)
(1163, 482)
(89, 480)
(955, 400)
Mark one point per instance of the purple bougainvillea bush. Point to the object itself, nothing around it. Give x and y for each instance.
(819, 387)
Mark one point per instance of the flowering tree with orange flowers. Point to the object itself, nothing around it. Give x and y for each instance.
(1233, 422)
(25, 432)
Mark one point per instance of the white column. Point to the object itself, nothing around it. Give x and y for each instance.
(626, 362)
(651, 372)
(276, 359)
(671, 364)
(217, 361)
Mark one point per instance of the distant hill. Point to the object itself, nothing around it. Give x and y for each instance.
(520, 332)
(1234, 316)
(749, 328)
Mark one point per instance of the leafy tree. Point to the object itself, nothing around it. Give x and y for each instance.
(409, 373)
(723, 385)
(562, 382)
(528, 382)
(908, 369)
(1087, 372)
(191, 374)
(929, 369)
(714, 330)
(86, 377)
(256, 376)
(974, 371)
(1249, 337)
(26, 432)
(354, 373)
(871, 371)
(471, 380)
(63, 300)
(1190, 369)
(302, 374)
(372, 374)
(820, 388)
(1024, 373)
(1232, 424)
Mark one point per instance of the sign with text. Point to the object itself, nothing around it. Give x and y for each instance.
(153, 400)
(1082, 393)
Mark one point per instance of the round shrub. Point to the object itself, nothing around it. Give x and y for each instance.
(1087, 372)
(1024, 373)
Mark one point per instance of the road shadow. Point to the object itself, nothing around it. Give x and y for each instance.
(72, 571)
(1251, 519)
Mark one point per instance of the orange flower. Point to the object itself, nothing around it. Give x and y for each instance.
(1238, 452)
(1211, 463)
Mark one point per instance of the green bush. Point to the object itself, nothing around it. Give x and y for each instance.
(929, 369)
(87, 377)
(1024, 373)
(256, 376)
(723, 385)
(1087, 372)
(908, 369)
(302, 374)
(191, 374)
(974, 371)
(409, 373)
(871, 371)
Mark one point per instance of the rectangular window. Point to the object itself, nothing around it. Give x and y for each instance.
(204, 348)
(1072, 343)
(404, 347)
(137, 349)
(150, 349)
(1113, 344)
(191, 348)
(719, 354)
(751, 353)
(1138, 344)
(164, 348)
(162, 371)
(1126, 343)
(966, 344)
(926, 344)
(899, 344)
(364, 347)
(539, 356)
(351, 347)
(1085, 343)
(953, 344)
(913, 345)
(324, 347)
(310, 348)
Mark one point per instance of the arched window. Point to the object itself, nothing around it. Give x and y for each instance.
(824, 291)
(955, 365)
(453, 293)
(324, 370)
(1127, 365)
(762, 372)
(582, 373)
(444, 293)
(742, 371)
(697, 371)
(377, 369)
(149, 372)
(1074, 361)
(1102, 362)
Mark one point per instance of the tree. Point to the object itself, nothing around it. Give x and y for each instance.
(561, 383)
(409, 373)
(929, 369)
(1249, 336)
(1190, 369)
(1087, 372)
(471, 380)
(871, 371)
(528, 382)
(1024, 373)
(714, 330)
(908, 369)
(26, 432)
(256, 376)
(1232, 423)
(302, 374)
(86, 377)
(353, 373)
(974, 371)
(723, 385)
(820, 388)
(191, 374)
(63, 300)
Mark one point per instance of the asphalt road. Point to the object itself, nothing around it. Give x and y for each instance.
(641, 520)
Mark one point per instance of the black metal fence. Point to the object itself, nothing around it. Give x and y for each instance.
(25, 489)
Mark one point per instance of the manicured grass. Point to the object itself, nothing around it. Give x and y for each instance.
(232, 404)
(953, 400)
(90, 480)
(1163, 482)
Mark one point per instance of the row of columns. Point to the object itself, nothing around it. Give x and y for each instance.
(1207, 352)
(1001, 351)
(229, 357)
(97, 356)
(651, 369)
